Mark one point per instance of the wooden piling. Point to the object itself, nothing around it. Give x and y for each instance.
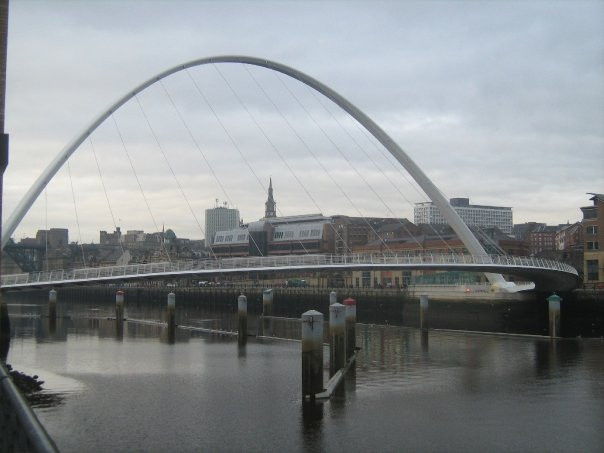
(351, 322)
(119, 305)
(171, 317)
(242, 320)
(423, 312)
(312, 353)
(554, 315)
(333, 298)
(337, 338)
(267, 302)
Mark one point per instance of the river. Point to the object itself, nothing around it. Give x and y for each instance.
(131, 389)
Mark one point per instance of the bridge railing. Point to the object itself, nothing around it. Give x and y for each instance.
(283, 262)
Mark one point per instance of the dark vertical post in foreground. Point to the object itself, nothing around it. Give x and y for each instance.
(119, 305)
(423, 312)
(267, 310)
(171, 318)
(554, 315)
(312, 353)
(337, 338)
(242, 320)
(4, 319)
(52, 308)
(119, 314)
(351, 323)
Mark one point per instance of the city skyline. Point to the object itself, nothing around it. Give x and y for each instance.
(448, 91)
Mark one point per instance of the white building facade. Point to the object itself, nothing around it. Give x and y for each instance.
(220, 218)
(473, 215)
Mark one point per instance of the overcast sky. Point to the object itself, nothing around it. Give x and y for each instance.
(501, 102)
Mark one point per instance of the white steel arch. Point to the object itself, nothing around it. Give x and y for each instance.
(458, 225)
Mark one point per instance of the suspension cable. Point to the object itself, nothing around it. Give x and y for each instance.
(307, 147)
(188, 129)
(397, 168)
(235, 145)
(119, 132)
(98, 167)
(338, 148)
(163, 153)
(276, 150)
(75, 207)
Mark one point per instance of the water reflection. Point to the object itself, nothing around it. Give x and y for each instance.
(482, 387)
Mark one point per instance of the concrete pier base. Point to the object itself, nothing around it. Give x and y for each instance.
(312, 354)
(242, 320)
(423, 312)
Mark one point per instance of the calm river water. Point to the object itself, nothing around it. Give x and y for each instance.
(131, 390)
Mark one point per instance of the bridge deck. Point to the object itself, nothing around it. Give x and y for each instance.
(547, 274)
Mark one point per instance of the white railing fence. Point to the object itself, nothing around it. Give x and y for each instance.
(282, 262)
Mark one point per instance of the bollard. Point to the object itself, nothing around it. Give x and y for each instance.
(312, 353)
(52, 306)
(267, 310)
(554, 315)
(333, 298)
(267, 302)
(242, 320)
(351, 322)
(119, 305)
(171, 317)
(119, 314)
(337, 338)
(423, 312)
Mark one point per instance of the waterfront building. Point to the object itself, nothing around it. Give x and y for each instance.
(542, 239)
(473, 215)
(220, 218)
(270, 207)
(55, 238)
(593, 239)
(300, 234)
(569, 237)
(110, 238)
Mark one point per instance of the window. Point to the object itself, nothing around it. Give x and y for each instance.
(592, 245)
(591, 230)
(315, 233)
(228, 238)
(366, 279)
(241, 237)
(592, 270)
(219, 238)
(304, 233)
(289, 234)
(277, 234)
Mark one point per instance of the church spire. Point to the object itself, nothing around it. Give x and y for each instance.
(270, 206)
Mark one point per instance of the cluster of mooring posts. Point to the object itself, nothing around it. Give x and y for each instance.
(342, 348)
(342, 333)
